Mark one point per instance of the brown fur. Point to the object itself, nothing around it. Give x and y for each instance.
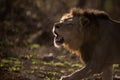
(92, 35)
(89, 13)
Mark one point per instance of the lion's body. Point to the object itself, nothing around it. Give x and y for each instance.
(110, 32)
(92, 35)
(108, 43)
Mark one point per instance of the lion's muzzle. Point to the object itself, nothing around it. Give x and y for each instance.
(58, 40)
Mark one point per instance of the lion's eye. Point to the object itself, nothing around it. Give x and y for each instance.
(68, 20)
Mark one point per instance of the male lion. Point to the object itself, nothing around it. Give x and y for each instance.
(92, 35)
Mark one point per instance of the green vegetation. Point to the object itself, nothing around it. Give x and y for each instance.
(29, 64)
(11, 64)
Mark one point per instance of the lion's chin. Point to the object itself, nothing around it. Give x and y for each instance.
(58, 41)
(57, 44)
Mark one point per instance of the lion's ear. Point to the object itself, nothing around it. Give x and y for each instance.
(84, 21)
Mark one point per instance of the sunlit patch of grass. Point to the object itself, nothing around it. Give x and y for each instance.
(1, 65)
(14, 68)
(61, 57)
(11, 64)
(77, 65)
(55, 64)
(34, 46)
(116, 67)
(62, 71)
(52, 73)
(34, 61)
(26, 56)
(34, 67)
(70, 70)
(66, 63)
(47, 63)
(30, 71)
(62, 64)
(59, 64)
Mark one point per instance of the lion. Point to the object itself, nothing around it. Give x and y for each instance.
(94, 37)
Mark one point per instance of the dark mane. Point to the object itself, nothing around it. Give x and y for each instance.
(89, 13)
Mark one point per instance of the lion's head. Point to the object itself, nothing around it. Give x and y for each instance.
(74, 28)
(67, 32)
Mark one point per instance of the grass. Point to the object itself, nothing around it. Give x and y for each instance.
(31, 65)
(11, 64)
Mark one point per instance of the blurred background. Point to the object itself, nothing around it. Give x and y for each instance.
(26, 40)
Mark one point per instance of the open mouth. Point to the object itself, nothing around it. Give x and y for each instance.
(59, 40)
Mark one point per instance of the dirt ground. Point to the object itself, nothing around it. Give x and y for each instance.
(41, 63)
